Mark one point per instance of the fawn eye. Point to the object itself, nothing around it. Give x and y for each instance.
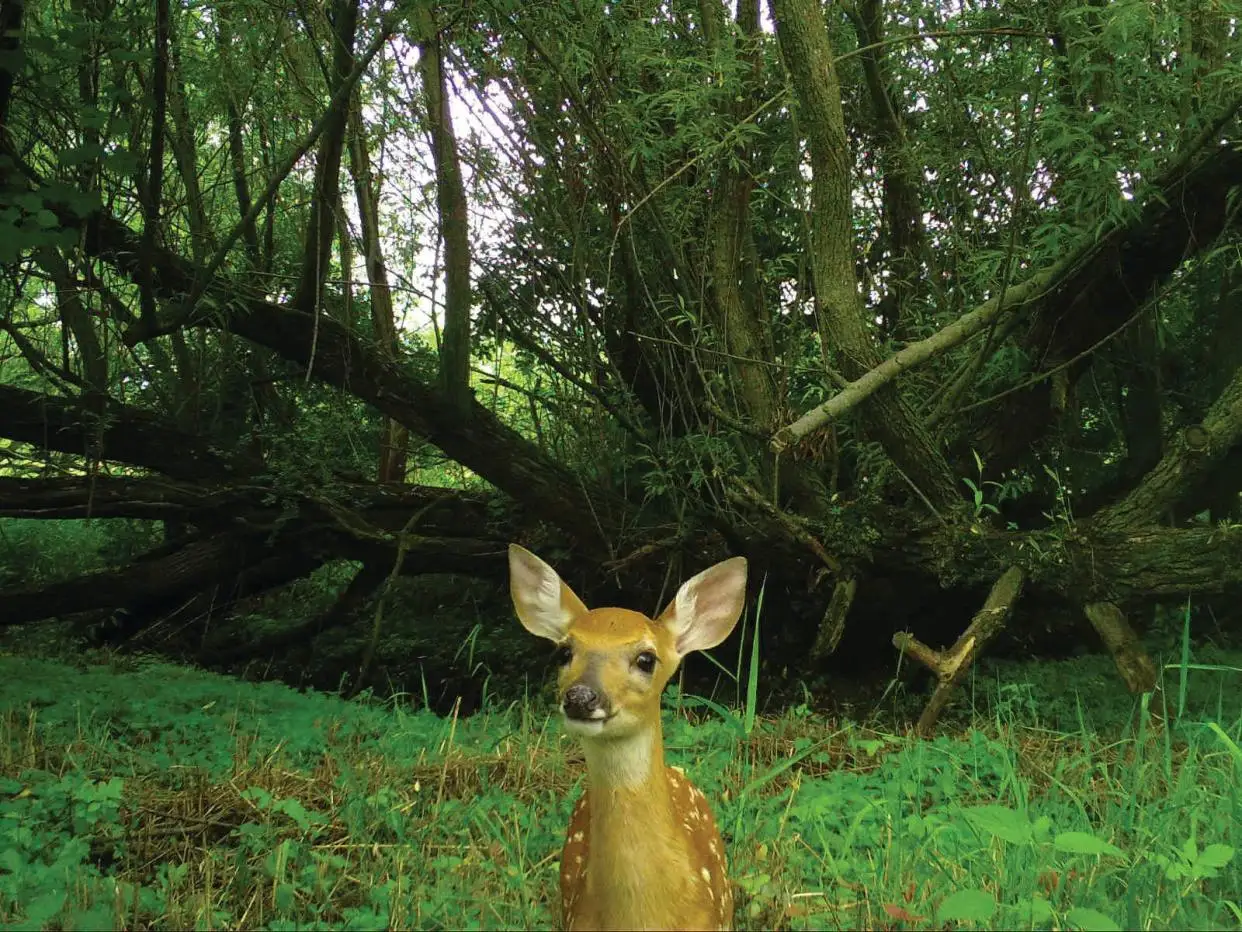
(646, 662)
(564, 654)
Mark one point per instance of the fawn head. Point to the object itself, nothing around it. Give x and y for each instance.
(616, 662)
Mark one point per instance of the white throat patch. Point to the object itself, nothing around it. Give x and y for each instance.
(620, 762)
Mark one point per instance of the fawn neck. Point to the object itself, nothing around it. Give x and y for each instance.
(633, 764)
(637, 852)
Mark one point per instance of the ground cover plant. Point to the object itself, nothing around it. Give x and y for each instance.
(138, 794)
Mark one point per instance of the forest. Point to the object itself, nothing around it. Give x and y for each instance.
(930, 311)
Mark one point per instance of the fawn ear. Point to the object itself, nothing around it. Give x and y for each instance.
(545, 605)
(707, 606)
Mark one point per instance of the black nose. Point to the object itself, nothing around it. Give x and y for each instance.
(581, 702)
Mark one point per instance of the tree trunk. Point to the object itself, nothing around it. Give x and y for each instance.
(808, 56)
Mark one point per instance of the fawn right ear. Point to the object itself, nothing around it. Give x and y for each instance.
(545, 605)
(706, 608)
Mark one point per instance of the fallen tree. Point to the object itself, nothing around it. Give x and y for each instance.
(670, 386)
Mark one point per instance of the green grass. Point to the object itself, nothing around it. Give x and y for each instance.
(144, 795)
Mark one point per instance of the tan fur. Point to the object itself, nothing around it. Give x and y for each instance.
(642, 850)
(663, 870)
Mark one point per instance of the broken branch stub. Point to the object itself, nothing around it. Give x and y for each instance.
(950, 666)
(1123, 644)
(833, 624)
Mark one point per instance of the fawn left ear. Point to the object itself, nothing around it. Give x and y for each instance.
(545, 605)
(707, 606)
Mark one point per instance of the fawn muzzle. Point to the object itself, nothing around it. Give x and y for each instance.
(583, 703)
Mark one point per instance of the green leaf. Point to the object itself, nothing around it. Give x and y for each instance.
(122, 161)
(45, 907)
(12, 861)
(1215, 856)
(93, 118)
(64, 238)
(1001, 822)
(1035, 911)
(79, 155)
(295, 811)
(258, 796)
(1230, 745)
(285, 896)
(1090, 920)
(1085, 843)
(967, 906)
(97, 916)
(1190, 850)
(29, 201)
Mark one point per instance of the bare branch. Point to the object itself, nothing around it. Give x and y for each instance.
(952, 665)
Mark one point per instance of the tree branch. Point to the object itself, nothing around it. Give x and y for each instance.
(116, 432)
(321, 227)
(454, 222)
(1194, 452)
(480, 442)
(1082, 271)
(952, 665)
(807, 52)
(206, 277)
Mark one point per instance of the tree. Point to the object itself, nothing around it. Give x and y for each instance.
(874, 294)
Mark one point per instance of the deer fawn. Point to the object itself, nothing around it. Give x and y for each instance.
(642, 850)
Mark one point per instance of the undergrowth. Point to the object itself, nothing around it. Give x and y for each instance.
(143, 795)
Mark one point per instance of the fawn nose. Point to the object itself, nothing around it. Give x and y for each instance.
(583, 703)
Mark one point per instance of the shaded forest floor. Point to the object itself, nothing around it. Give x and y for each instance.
(139, 794)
